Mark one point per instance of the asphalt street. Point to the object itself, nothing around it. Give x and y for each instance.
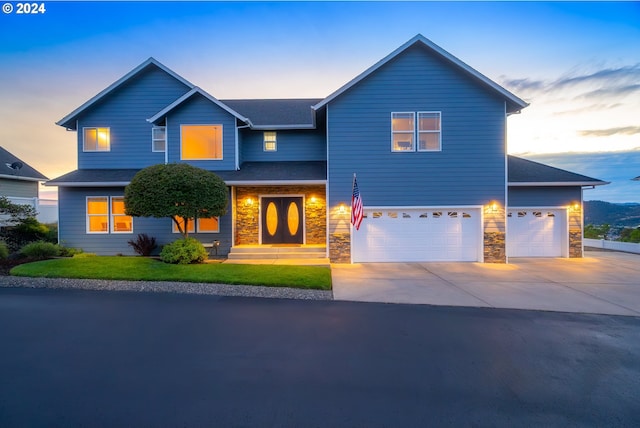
(74, 358)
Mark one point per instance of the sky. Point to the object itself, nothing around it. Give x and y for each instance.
(576, 63)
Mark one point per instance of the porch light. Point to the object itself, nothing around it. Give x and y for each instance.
(492, 208)
(248, 202)
(342, 209)
(574, 207)
(313, 200)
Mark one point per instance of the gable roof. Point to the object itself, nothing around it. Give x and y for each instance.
(523, 172)
(196, 90)
(277, 113)
(69, 121)
(22, 171)
(514, 104)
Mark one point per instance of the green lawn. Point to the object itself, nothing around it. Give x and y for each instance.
(145, 269)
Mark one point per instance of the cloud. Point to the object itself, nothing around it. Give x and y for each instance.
(614, 91)
(624, 130)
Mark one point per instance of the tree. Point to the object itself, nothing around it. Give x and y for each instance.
(596, 232)
(179, 191)
(630, 235)
(12, 214)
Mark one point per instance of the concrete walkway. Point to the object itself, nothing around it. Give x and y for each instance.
(600, 283)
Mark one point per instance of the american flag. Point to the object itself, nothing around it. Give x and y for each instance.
(356, 205)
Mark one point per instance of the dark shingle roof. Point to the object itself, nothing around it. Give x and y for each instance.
(25, 172)
(249, 172)
(276, 113)
(525, 171)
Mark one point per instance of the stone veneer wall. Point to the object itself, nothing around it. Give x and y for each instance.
(248, 216)
(340, 247)
(494, 245)
(575, 232)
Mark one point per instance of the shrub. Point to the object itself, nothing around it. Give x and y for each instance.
(183, 252)
(69, 252)
(144, 244)
(84, 255)
(40, 250)
(4, 251)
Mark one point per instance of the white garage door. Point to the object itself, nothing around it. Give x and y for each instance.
(536, 232)
(417, 235)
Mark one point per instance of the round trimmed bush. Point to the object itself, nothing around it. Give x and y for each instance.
(40, 250)
(184, 252)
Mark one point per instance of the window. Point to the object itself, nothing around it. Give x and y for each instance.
(120, 222)
(402, 130)
(98, 215)
(201, 142)
(106, 215)
(96, 140)
(270, 142)
(205, 225)
(158, 138)
(429, 131)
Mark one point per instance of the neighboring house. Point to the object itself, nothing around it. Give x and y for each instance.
(423, 131)
(19, 182)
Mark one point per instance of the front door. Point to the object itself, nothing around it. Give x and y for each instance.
(282, 220)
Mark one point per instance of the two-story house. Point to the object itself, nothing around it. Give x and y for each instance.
(424, 133)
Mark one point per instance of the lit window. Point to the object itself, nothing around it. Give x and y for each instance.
(98, 215)
(205, 225)
(96, 140)
(209, 225)
(402, 130)
(192, 225)
(429, 131)
(120, 222)
(158, 138)
(270, 142)
(201, 142)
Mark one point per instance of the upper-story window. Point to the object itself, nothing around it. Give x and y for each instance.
(96, 140)
(404, 129)
(201, 142)
(403, 132)
(270, 141)
(158, 138)
(429, 131)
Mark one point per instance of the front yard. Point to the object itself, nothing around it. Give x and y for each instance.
(146, 269)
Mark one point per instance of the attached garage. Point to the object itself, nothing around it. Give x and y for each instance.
(537, 232)
(418, 235)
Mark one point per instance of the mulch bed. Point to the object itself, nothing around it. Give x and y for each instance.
(7, 264)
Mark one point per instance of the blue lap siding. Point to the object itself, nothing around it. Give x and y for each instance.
(298, 145)
(125, 112)
(73, 226)
(470, 169)
(560, 196)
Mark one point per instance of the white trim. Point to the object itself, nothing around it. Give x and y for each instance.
(281, 127)
(84, 128)
(197, 90)
(117, 83)
(326, 194)
(204, 124)
(419, 38)
(234, 215)
(166, 151)
(557, 183)
(439, 131)
(23, 178)
(412, 133)
(506, 187)
(420, 207)
(283, 195)
(153, 139)
(236, 146)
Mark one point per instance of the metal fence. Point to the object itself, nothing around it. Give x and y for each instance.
(628, 247)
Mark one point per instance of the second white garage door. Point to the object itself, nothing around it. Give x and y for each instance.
(418, 235)
(536, 232)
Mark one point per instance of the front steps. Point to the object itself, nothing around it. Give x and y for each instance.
(279, 254)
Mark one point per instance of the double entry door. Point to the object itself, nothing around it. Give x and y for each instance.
(282, 220)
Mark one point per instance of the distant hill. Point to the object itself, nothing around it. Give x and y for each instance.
(616, 215)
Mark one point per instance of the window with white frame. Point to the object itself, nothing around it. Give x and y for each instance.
(429, 134)
(402, 132)
(107, 215)
(270, 141)
(158, 138)
(201, 142)
(96, 139)
(204, 225)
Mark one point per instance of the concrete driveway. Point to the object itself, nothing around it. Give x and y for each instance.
(600, 283)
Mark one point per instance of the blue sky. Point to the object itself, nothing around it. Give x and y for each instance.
(577, 63)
